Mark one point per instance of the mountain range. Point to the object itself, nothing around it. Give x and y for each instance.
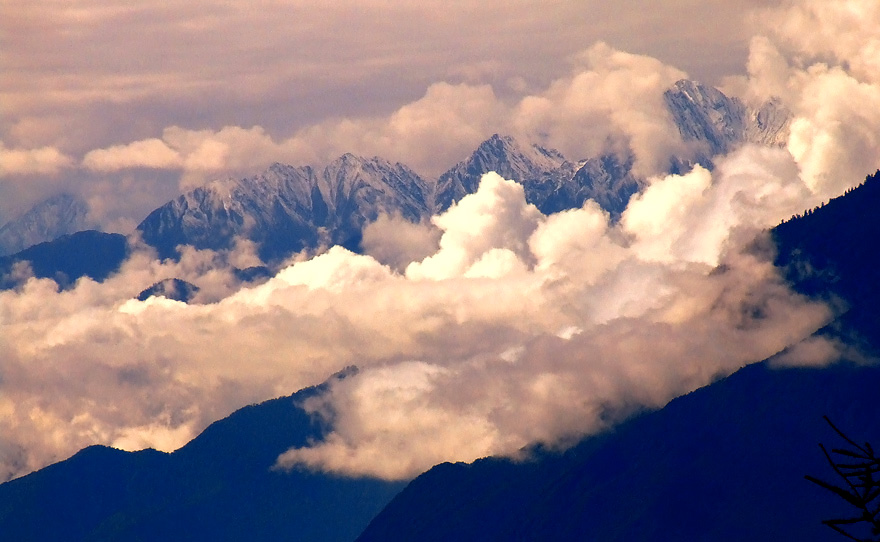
(286, 209)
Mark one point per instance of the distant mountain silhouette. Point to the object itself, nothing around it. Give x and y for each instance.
(220, 486)
(83, 254)
(61, 214)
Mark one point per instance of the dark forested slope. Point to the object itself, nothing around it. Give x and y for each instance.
(220, 486)
(726, 462)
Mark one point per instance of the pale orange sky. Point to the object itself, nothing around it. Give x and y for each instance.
(78, 75)
(83, 74)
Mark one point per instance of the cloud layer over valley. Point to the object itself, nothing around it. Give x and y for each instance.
(492, 327)
(519, 328)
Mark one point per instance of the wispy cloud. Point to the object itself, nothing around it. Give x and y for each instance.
(86, 74)
(28, 162)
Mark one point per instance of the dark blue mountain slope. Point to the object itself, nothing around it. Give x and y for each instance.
(87, 253)
(220, 486)
(726, 462)
(834, 250)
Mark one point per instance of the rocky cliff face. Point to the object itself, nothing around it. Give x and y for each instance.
(551, 182)
(534, 167)
(715, 124)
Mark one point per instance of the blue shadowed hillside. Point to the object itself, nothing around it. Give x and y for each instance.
(724, 463)
(220, 486)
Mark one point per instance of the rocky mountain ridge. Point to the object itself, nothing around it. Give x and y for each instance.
(716, 124)
(286, 209)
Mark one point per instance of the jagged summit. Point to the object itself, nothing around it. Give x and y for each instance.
(370, 186)
(286, 209)
(524, 160)
(551, 182)
(505, 156)
(702, 113)
(716, 124)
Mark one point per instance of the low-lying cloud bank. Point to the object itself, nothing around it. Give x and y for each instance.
(519, 328)
(513, 328)
(547, 328)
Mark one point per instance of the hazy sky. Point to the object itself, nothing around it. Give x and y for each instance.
(87, 73)
(515, 327)
(90, 74)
